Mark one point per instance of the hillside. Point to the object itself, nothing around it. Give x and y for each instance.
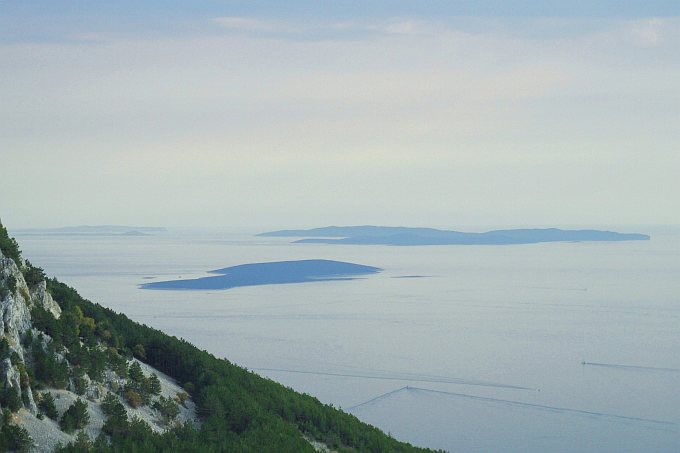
(75, 376)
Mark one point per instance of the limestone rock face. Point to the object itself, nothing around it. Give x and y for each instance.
(17, 300)
(15, 320)
(9, 374)
(41, 297)
(15, 316)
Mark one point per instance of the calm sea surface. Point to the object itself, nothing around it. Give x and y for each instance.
(483, 351)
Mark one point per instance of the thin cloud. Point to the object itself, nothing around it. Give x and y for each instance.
(255, 25)
(645, 32)
(649, 32)
(473, 114)
(330, 29)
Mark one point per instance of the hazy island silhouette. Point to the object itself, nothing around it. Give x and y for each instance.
(380, 235)
(270, 273)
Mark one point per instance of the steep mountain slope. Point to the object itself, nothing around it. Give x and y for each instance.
(47, 367)
(75, 376)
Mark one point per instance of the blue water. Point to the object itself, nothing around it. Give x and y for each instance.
(484, 352)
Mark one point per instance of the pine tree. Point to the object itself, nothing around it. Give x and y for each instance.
(75, 417)
(154, 384)
(11, 398)
(117, 420)
(47, 406)
(167, 408)
(13, 438)
(136, 374)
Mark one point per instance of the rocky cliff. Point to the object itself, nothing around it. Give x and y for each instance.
(16, 301)
(51, 361)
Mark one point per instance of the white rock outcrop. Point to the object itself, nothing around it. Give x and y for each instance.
(15, 320)
(15, 316)
(40, 296)
(16, 302)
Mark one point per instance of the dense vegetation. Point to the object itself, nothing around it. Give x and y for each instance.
(10, 248)
(8, 245)
(75, 417)
(239, 411)
(12, 437)
(47, 406)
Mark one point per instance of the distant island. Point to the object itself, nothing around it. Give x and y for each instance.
(278, 272)
(92, 230)
(380, 235)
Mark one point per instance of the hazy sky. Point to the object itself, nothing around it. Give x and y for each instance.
(308, 113)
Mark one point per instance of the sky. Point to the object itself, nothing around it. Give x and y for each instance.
(269, 114)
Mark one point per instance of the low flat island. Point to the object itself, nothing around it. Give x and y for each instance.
(272, 273)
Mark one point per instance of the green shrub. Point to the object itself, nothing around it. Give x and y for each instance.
(116, 362)
(47, 368)
(117, 420)
(83, 442)
(15, 358)
(75, 417)
(24, 379)
(152, 385)
(11, 284)
(9, 246)
(181, 398)
(139, 352)
(33, 275)
(136, 374)
(167, 409)
(133, 398)
(109, 403)
(47, 406)
(13, 438)
(80, 385)
(11, 399)
(27, 340)
(189, 387)
(4, 349)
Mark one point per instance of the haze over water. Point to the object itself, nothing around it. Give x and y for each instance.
(483, 352)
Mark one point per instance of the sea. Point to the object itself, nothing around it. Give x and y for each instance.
(553, 347)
